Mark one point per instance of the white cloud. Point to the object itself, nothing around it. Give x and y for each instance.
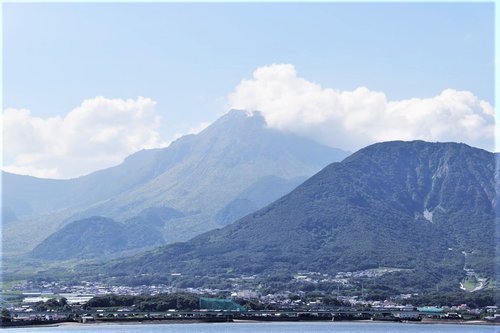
(353, 119)
(97, 134)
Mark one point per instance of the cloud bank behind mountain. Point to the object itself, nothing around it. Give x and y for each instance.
(353, 119)
(101, 132)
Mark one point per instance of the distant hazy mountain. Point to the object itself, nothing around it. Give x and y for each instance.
(199, 175)
(258, 195)
(27, 196)
(428, 208)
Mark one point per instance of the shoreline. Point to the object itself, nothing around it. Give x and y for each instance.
(246, 321)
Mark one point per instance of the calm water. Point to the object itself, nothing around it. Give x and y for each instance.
(266, 328)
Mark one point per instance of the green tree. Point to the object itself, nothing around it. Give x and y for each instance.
(63, 302)
(5, 315)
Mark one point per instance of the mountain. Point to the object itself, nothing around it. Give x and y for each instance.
(91, 237)
(98, 236)
(427, 210)
(197, 175)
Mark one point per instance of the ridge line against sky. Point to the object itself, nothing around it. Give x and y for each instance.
(190, 75)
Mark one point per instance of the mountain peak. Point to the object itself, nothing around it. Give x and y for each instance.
(243, 113)
(239, 120)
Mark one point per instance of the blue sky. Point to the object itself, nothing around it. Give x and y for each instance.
(190, 57)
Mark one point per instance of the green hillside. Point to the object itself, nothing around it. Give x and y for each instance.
(97, 236)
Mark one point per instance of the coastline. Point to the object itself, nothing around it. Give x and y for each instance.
(426, 321)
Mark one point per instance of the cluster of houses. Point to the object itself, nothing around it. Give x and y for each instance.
(78, 295)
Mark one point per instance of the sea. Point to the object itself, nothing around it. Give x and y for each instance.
(276, 327)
